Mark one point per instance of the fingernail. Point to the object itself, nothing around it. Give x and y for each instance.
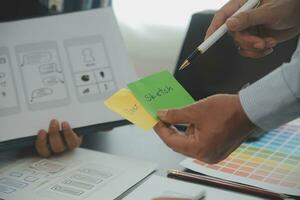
(53, 121)
(64, 125)
(259, 46)
(42, 135)
(233, 23)
(267, 52)
(272, 43)
(162, 113)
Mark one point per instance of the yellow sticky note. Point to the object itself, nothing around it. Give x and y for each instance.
(125, 104)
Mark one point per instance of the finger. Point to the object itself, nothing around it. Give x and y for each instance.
(253, 17)
(282, 36)
(55, 139)
(179, 143)
(71, 138)
(41, 144)
(271, 42)
(221, 16)
(190, 130)
(176, 116)
(263, 33)
(255, 54)
(218, 20)
(250, 42)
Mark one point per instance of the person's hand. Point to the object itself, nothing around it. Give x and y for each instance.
(53, 142)
(217, 126)
(257, 31)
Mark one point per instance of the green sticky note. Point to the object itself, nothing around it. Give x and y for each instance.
(160, 91)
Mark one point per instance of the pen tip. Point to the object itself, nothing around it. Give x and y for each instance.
(184, 64)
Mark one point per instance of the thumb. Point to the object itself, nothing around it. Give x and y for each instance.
(282, 36)
(247, 19)
(175, 116)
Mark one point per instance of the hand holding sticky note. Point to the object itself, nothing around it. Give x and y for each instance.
(146, 96)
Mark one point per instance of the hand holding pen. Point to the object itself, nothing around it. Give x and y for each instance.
(258, 30)
(214, 34)
(255, 31)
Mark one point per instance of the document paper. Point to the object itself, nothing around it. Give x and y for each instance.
(78, 175)
(60, 67)
(159, 187)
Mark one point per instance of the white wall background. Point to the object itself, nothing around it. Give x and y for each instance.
(154, 30)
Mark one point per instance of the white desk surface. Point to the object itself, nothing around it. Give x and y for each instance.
(134, 142)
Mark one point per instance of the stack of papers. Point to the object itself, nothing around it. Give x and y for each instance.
(77, 175)
(140, 103)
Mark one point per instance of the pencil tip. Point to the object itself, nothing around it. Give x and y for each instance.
(184, 65)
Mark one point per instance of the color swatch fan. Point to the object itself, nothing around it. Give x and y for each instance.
(272, 162)
(140, 103)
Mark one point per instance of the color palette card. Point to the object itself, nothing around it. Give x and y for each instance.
(272, 162)
(146, 96)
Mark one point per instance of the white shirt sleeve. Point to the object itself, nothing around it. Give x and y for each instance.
(275, 99)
